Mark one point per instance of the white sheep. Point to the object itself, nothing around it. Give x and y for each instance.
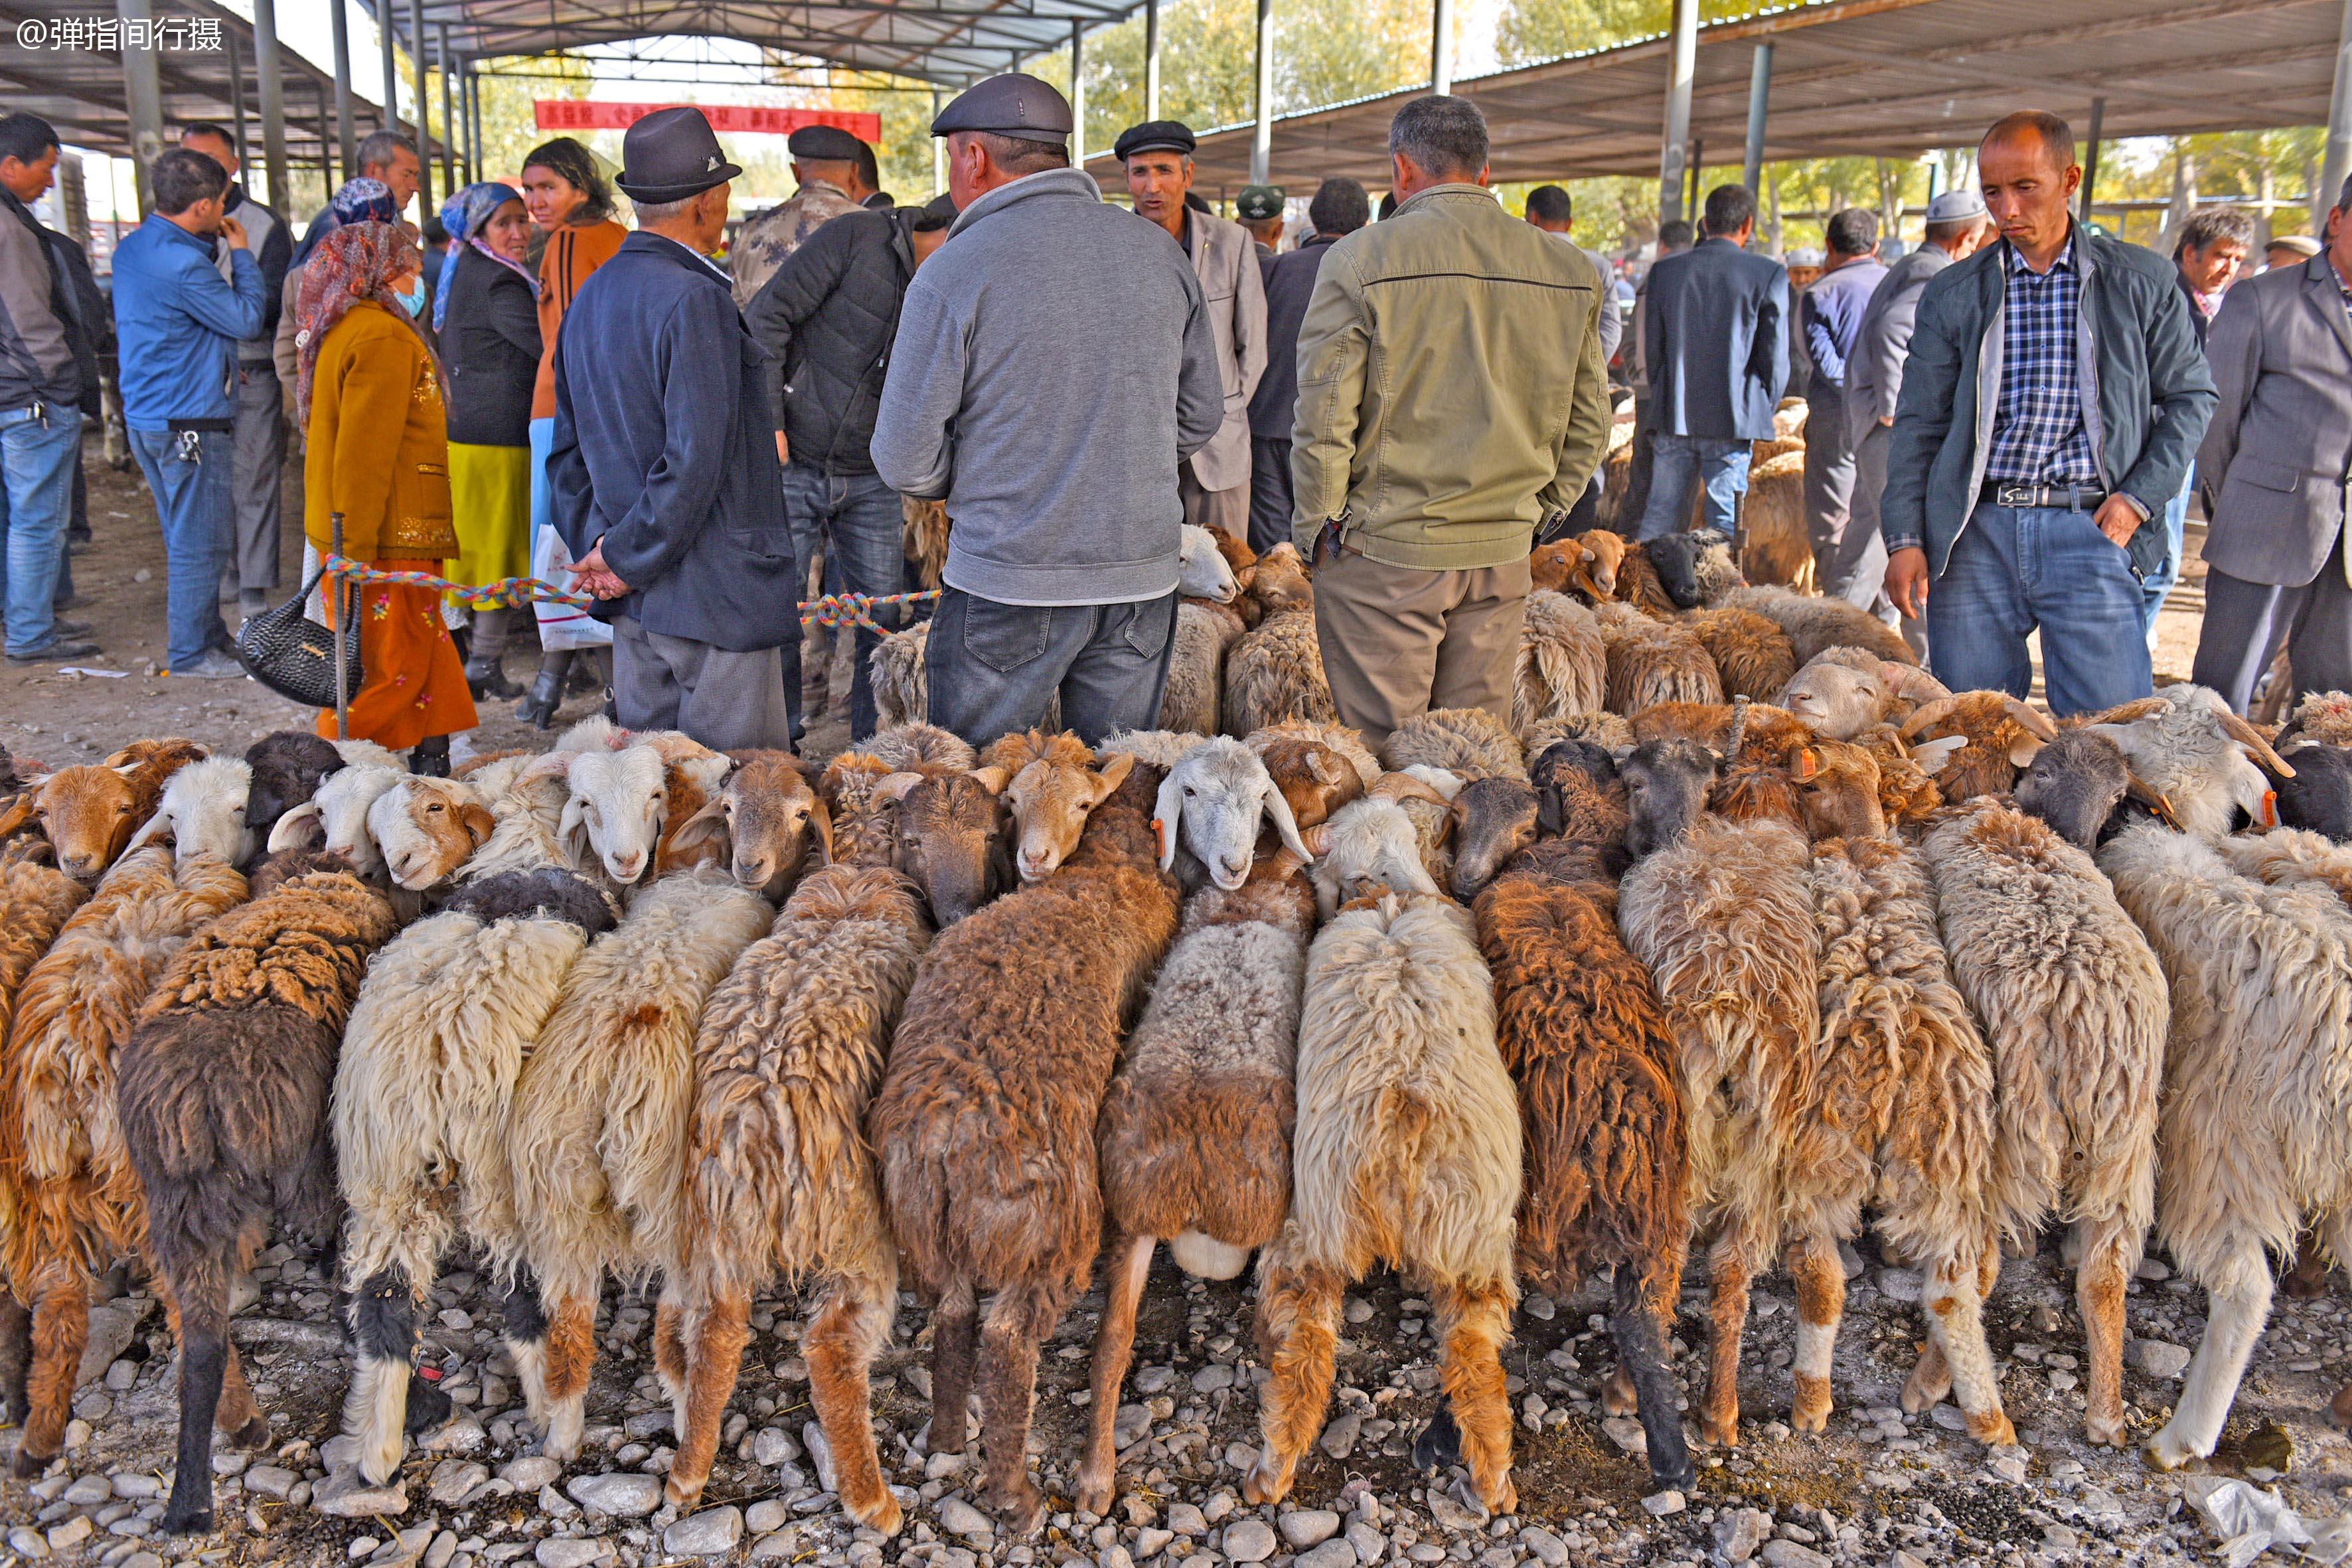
(335, 818)
(2187, 744)
(1216, 799)
(202, 811)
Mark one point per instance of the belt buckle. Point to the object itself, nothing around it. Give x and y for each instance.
(2014, 495)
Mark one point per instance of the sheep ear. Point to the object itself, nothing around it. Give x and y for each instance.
(821, 820)
(1286, 827)
(2024, 748)
(1321, 769)
(154, 827)
(572, 832)
(478, 822)
(1552, 821)
(1112, 774)
(1167, 817)
(294, 830)
(992, 779)
(547, 765)
(706, 826)
(1933, 756)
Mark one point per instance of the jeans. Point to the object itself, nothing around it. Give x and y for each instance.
(37, 472)
(858, 515)
(191, 479)
(2176, 539)
(1681, 464)
(2015, 568)
(995, 667)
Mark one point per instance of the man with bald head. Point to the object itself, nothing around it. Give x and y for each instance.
(2053, 399)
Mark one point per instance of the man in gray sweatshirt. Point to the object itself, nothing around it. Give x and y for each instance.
(1054, 364)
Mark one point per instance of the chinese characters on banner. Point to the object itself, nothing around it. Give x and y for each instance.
(735, 119)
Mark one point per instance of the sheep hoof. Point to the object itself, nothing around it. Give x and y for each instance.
(1723, 1432)
(2105, 1430)
(26, 1465)
(679, 1496)
(1094, 1495)
(886, 1517)
(1994, 1431)
(1021, 1509)
(1438, 1445)
(2166, 1452)
(1808, 1415)
(189, 1520)
(1617, 1396)
(1265, 1483)
(1685, 1480)
(252, 1435)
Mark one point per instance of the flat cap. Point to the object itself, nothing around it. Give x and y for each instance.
(1154, 136)
(829, 142)
(1013, 104)
(1953, 205)
(1259, 202)
(2301, 244)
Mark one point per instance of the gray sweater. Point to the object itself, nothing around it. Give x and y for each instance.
(1053, 365)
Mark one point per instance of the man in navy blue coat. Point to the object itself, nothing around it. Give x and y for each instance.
(1715, 325)
(662, 471)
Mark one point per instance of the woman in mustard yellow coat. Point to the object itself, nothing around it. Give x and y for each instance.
(369, 392)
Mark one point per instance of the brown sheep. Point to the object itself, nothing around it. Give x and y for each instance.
(1276, 672)
(951, 837)
(90, 813)
(1611, 731)
(1601, 1106)
(69, 1204)
(1975, 743)
(1048, 784)
(1775, 547)
(1561, 665)
(923, 540)
(1753, 655)
(1468, 741)
(1315, 780)
(1705, 724)
(1655, 662)
(1566, 566)
(224, 1109)
(771, 813)
(985, 1123)
(1278, 585)
(35, 901)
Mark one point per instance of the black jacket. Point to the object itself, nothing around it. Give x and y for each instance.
(1290, 280)
(489, 353)
(825, 318)
(89, 317)
(663, 450)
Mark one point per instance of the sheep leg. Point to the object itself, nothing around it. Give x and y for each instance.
(201, 1285)
(1019, 1318)
(60, 1330)
(2238, 1304)
(2110, 1249)
(1473, 1321)
(1729, 1275)
(670, 1351)
(239, 1419)
(384, 1336)
(2308, 1280)
(1640, 1330)
(16, 1358)
(1956, 1334)
(571, 1357)
(1931, 1375)
(1299, 1329)
(1820, 1278)
(1114, 1348)
(955, 1326)
(526, 1336)
(1618, 1394)
(715, 1335)
(840, 1344)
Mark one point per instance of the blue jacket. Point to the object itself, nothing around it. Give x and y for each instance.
(2146, 392)
(1831, 315)
(1715, 341)
(665, 449)
(177, 323)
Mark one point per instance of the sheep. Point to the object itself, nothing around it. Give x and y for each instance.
(1278, 585)
(779, 1176)
(36, 901)
(1655, 662)
(1580, 795)
(427, 829)
(2074, 1009)
(2200, 756)
(1407, 1151)
(1194, 697)
(618, 802)
(288, 767)
(1202, 572)
(222, 1106)
(1752, 654)
(1315, 779)
(1561, 666)
(1468, 742)
(1570, 566)
(1774, 545)
(70, 1203)
(771, 814)
(1195, 1130)
(901, 690)
(423, 1094)
(1492, 821)
(1615, 571)
(1213, 802)
(1815, 624)
(1329, 733)
(2319, 795)
(90, 813)
(1789, 419)
(1673, 560)
(950, 827)
(335, 818)
(925, 529)
(1844, 691)
(203, 811)
(2325, 717)
(1612, 731)
(597, 1140)
(1601, 1112)
(1047, 782)
(1975, 742)
(985, 1123)
(1666, 786)
(1276, 672)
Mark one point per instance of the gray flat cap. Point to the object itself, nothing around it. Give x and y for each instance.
(1953, 205)
(1013, 104)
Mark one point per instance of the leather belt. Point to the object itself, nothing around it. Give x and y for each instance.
(2006, 492)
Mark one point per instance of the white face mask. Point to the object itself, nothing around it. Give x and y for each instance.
(412, 299)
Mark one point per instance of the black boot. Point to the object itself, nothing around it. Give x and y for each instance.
(486, 678)
(430, 759)
(546, 695)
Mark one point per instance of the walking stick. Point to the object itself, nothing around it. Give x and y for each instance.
(335, 648)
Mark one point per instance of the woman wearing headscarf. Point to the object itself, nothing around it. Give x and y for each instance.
(570, 200)
(368, 391)
(486, 317)
(360, 200)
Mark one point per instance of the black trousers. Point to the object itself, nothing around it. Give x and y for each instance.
(1270, 492)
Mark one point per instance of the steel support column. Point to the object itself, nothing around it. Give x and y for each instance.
(425, 208)
(1441, 46)
(1760, 96)
(390, 119)
(1152, 60)
(1077, 93)
(1675, 157)
(938, 150)
(2338, 162)
(1262, 135)
(448, 113)
(2090, 160)
(345, 131)
(271, 82)
(236, 108)
(142, 99)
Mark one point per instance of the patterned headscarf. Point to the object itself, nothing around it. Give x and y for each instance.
(466, 217)
(360, 200)
(583, 170)
(356, 261)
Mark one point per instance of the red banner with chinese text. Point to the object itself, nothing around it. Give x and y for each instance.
(728, 119)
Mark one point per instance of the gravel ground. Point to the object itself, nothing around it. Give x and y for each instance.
(1879, 1488)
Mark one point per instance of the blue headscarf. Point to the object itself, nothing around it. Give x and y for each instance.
(360, 200)
(464, 216)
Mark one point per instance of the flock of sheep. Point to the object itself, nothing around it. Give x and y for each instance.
(1744, 930)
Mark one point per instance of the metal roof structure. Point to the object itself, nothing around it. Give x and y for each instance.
(1883, 77)
(950, 42)
(75, 83)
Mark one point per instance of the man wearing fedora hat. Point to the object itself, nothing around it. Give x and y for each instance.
(1054, 365)
(662, 474)
(826, 163)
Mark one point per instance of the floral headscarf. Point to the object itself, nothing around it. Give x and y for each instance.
(356, 261)
(360, 200)
(583, 170)
(466, 217)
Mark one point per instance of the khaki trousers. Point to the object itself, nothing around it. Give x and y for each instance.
(1399, 641)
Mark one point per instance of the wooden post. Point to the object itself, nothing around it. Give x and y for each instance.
(335, 644)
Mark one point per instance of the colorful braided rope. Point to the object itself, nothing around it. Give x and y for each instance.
(831, 610)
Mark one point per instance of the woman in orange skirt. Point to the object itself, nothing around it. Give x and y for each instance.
(369, 392)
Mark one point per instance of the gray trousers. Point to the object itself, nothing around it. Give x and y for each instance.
(723, 699)
(2245, 622)
(994, 668)
(1829, 520)
(260, 465)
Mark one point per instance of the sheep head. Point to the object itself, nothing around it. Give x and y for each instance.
(1494, 819)
(2074, 784)
(2319, 795)
(1975, 743)
(203, 812)
(2205, 760)
(1579, 794)
(950, 838)
(1051, 784)
(426, 828)
(766, 812)
(1201, 570)
(288, 767)
(1315, 780)
(1556, 565)
(1836, 699)
(618, 802)
(89, 812)
(1278, 583)
(1369, 847)
(1837, 790)
(1601, 575)
(1217, 799)
(335, 818)
(1666, 786)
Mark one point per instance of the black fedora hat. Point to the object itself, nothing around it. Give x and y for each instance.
(671, 154)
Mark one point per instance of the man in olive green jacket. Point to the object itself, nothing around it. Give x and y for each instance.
(1451, 398)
